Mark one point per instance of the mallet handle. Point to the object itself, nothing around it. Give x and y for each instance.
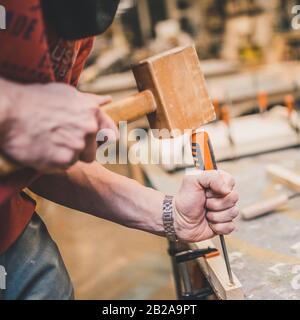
(132, 107)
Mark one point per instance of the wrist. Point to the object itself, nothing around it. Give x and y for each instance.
(184, 228)
(155, 224)
(152, 218)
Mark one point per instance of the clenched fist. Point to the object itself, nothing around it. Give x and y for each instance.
(51, 126)
(205, 206)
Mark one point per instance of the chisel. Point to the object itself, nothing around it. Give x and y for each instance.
(204, 159)
(263, 207)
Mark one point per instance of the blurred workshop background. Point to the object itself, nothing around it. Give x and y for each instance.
(249, 52)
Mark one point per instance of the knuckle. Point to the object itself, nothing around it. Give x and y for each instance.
(229, 229)
(233, 213)
(213, 204)
(91, 126)
(236, 213)
(215, 228)
(224, 228)
(65, 157)
(79, 145)
(232, 181)
(234, 197)
(223, 174)
(212, 216)
(228, 178)
(94, 109)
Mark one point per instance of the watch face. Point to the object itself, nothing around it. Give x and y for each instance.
(78, 19)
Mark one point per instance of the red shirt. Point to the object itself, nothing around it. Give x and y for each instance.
(31, 52)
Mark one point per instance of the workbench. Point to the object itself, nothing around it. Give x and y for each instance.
(260, 250)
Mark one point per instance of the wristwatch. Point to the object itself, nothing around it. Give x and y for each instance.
(168, 220)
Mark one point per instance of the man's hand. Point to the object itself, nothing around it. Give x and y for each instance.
(205, 206)
(50, 127)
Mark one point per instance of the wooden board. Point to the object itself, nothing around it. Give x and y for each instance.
(215, 272)
(285, 176)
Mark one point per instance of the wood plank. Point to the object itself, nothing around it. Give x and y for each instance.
(215, 271)
(284, 176)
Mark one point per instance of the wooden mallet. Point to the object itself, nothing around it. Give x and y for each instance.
(172, 93)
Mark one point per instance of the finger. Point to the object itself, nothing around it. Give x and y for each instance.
(222, 216)
(72, 139)
(105, 122)
(216, 181)
(223, 228)
(89, 153)
(224, 203)
(100, 100)
(88, 124)
(62, 159)
(210, 194)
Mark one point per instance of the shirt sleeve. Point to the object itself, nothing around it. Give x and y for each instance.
(86, 46)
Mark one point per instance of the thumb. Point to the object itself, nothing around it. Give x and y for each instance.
(100, 100)
(107, 123)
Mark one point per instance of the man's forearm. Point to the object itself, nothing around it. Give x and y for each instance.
(92, 189)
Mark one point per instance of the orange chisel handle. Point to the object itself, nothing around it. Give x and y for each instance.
(202, 151)
(204, 159)
(225, 114)
(216, 105)
(263, 101)
(290, 104)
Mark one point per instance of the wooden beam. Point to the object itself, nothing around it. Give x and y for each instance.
(215, 271)
(284, 176)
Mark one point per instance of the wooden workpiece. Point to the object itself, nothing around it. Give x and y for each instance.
(285, 176)
(215, 272)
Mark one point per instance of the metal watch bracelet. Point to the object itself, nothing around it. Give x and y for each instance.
(168, 220)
